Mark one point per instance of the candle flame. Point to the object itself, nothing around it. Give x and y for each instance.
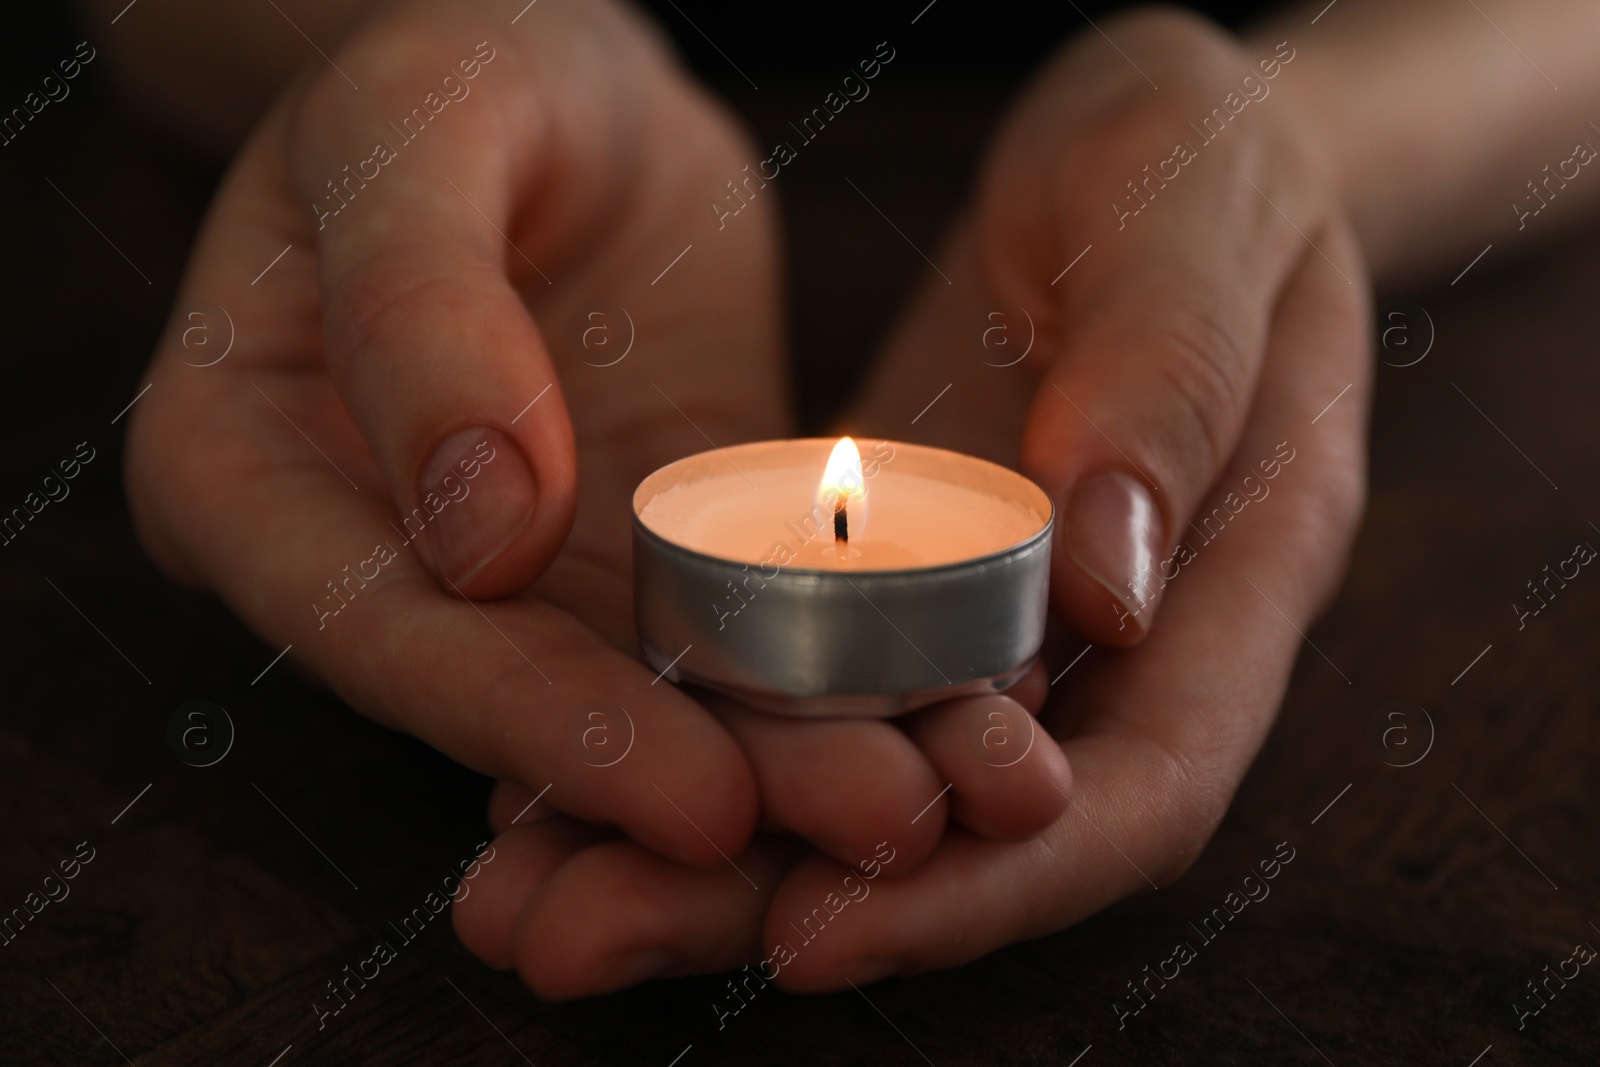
(842, 479)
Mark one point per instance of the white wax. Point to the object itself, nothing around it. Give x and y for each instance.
(757, 504)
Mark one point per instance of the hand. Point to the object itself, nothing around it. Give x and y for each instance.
(409, 342)
(1194, 350)
(411, 374)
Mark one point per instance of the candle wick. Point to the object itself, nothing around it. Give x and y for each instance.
(841, 523)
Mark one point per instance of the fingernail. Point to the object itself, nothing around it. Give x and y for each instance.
(641, 966)
(474, 498)
(1111, 529)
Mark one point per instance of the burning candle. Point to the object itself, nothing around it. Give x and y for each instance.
(809, 577)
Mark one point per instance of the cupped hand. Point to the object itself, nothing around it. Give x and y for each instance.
(1195, 400)
(468, 305)
(461, 332)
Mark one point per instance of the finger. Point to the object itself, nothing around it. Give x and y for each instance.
(426, 334)
(519, 863)
(1032, 690)
(848, 786)
(616, 914)
(266, 516)
(512, 804)
(1162, 733)
(1154, 343)
(1008, 777)
(1146, 399)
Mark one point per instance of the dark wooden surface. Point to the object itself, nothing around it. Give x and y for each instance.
(1417, 907)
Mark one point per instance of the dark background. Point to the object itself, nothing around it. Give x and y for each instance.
(1417, 907)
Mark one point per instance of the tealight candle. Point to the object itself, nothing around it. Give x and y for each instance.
(807, 578)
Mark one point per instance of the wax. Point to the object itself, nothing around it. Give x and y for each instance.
(922, 508)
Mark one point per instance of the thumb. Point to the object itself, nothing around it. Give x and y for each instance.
(1142, 411)
(1126, 433)
(426, 336)
(1136, 411)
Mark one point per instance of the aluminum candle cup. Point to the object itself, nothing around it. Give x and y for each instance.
(809, 578)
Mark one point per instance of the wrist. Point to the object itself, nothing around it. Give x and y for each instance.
(1429, 147)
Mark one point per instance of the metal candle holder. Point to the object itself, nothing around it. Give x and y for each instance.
(843, 643)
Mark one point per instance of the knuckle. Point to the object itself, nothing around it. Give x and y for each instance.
(1181, 37)
(384, 51)
(361, 304)
(1192, 793)
(1340, 499)
(391, 297)
(403, 639)
(1200, 364)
(516, 685)
(391, 641)
(1327, 519)
(1200, 804)
(1092, 149)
